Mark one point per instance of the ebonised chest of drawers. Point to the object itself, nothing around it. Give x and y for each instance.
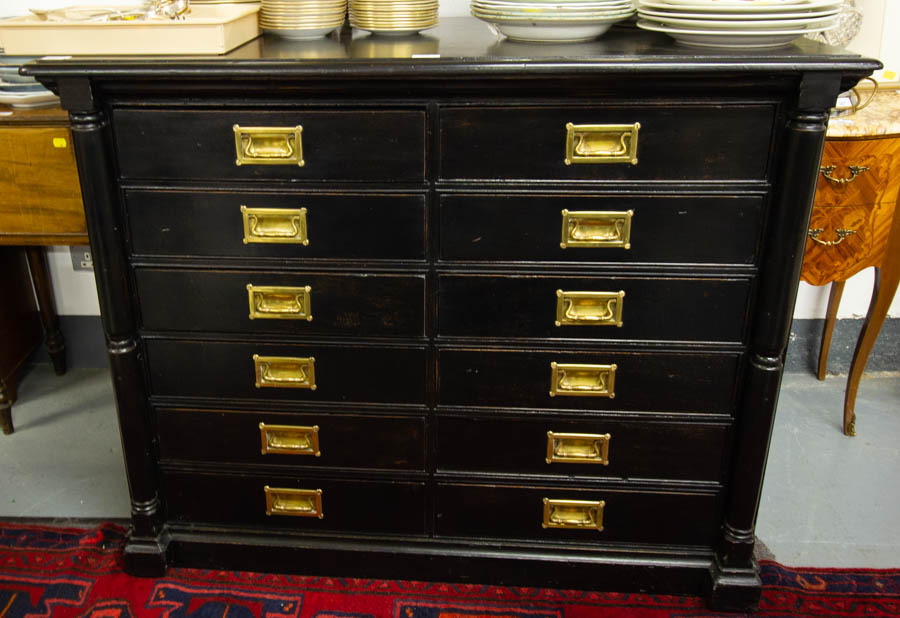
(508, 313)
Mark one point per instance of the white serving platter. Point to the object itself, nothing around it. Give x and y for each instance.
(719, 7)
(736, 39)
(739, 16)
(815, 24)
(208, 29)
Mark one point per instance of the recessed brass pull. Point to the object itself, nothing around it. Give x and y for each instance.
(284, 372)
(602, 143)
(589, 308)
(268, 145)
(289, 439)
(596, 229)
(840, 233)
(274, 225)
(582, 380)
(855, 171)
(578, 448)
(294, 502)
(574, 514)
(279, 302)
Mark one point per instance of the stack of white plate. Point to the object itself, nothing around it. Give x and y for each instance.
(393, 17)
(301, 20)
(552, 20)
(738, 23)
(20, 91)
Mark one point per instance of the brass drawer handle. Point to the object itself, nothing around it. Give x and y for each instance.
(268, 145)
(574, 380)
(578, 448)
(274, 225)
(589, 308)
(284, 372)
(294, 502)
(290, 439)
(596, 229)
(841, 235)
(272, 302)
(574, 514)
(602, 143)
(855, 171)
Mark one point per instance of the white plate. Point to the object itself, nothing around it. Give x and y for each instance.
(611, 4)
(301, 34)
(532, 32)
(548, 6)
(735, 3)
(537, 11)
(549, 18)
(28, 99)
(392, 31)
(738, 16)
(816, 24)
(739, 39)
(710, 7)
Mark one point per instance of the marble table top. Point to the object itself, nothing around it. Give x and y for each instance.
(880, 117)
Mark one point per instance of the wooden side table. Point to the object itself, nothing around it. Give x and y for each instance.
(854, 227)
(40, 205)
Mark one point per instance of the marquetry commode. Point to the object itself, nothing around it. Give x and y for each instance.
(501, 315)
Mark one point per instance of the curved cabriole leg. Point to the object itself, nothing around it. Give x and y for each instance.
(887, 279)
(834, 302)
(146, 548)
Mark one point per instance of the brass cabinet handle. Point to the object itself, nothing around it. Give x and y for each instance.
(602, 143)
(575, 380)
(289, 439)
(841, 235)
(589, 308)
(596, 228)
(855, 171)
(275, 225)
(294, 502)
(284, 372)
(272, 302)
(578, 448)
(268, 145)
(574, 514)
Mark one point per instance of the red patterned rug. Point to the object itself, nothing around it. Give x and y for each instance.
(65, 572)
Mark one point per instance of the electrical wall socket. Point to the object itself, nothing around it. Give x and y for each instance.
(81, 258)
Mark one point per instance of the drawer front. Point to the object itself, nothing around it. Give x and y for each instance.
(593, 307)
(346, 506)
(321, 439)
(212, 224)
(856, 173)
(367, 144)
(674, 142)
(695, 229)
(665, 382)
(297, 304)
(493, 511)
(591, 447)
(847, 240)
(341, 373)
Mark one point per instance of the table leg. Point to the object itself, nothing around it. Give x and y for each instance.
(40, 275)
(834, 301)
(7, 399)
(887, 279)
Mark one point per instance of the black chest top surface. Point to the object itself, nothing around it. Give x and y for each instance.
(448, 306)
(458, 48)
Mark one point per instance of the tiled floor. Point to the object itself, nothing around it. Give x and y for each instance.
(828, 500)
